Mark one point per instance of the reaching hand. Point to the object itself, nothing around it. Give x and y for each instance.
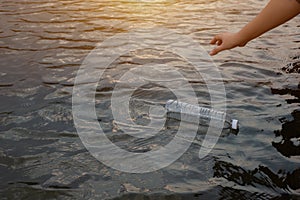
(226, 41)
(274, 14)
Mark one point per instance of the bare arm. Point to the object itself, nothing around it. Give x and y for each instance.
(274, 14)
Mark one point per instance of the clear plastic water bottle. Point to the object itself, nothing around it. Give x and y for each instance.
(196, 114)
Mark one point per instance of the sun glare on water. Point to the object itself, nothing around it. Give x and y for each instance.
(147, 1)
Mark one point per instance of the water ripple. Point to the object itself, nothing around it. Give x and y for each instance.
(42, 45)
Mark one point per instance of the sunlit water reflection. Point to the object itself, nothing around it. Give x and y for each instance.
(42, 45)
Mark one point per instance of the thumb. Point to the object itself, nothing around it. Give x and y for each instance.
(216, 50)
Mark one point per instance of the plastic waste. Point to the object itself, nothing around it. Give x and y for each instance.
(196, 114)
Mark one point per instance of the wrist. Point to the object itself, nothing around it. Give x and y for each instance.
(242, 39)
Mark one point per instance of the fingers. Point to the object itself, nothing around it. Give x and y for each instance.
(225, 41)
(216, 39)
(216, 50)
(213, 52)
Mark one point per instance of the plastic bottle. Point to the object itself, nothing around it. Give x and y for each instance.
(195, 114)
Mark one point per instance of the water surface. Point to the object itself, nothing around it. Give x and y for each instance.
(43, 44)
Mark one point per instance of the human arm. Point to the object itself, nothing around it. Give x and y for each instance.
(274, 14)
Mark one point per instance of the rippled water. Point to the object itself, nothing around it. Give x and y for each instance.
(43, 44)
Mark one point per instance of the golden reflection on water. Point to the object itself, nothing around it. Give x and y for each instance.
(146, 13)
(147, 1)
(44, 42)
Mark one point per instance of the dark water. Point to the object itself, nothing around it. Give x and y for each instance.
(43, 44)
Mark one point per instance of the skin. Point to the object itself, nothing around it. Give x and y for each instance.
(274, 14)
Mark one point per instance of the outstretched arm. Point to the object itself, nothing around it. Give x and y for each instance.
(274, 14)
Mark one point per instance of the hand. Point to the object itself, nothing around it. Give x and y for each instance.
(226, 41)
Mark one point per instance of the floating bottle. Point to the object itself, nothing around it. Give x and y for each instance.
(196, 114)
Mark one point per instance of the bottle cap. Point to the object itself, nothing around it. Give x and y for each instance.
(168, 103)
(234, 124)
